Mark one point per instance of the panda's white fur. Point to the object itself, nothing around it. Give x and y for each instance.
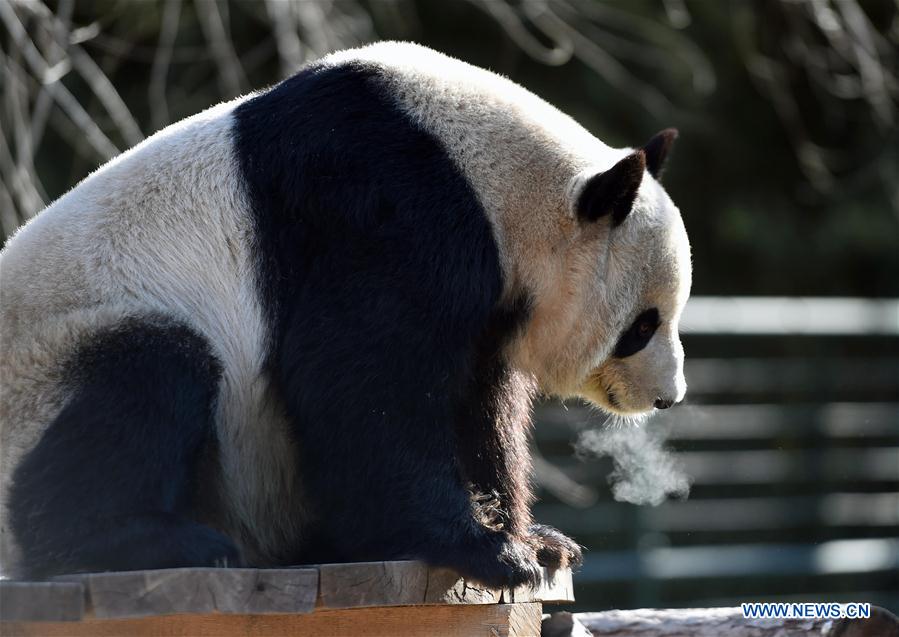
(124, 243)
(165, 229)
(527, 161)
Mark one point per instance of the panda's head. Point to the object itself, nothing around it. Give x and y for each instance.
(647, 272)
(585, 232)
(605, 327)
(607, 284)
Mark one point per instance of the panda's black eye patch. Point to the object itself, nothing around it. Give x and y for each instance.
(638, 334)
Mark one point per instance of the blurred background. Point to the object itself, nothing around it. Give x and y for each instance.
(787, 174)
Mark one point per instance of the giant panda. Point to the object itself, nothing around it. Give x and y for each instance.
(308, 325)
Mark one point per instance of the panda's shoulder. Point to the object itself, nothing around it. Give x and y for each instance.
(394, 55)
(390, 67)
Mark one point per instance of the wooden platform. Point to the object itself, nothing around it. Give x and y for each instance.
(362, 599)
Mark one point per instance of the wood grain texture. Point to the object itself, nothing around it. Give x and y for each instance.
(202, 591)
(498, 620)
(525, 618)
(41, 601)
(407, 583)
(396, 584)
(199, 591)
(556, 587)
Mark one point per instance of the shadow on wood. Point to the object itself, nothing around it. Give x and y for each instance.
(372, 598)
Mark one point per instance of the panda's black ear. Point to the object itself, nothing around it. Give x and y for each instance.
(612, 192)
(656, 150)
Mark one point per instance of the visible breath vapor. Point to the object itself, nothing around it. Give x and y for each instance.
(645, 472)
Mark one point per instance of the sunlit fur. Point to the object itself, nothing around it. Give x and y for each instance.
(528, 162)
(122, 244)
(659, 253)
(127, 242)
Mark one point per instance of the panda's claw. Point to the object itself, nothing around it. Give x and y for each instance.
(555, 549)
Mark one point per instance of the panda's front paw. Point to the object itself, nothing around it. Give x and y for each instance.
(522, 564)
(554, 549)
(500, 561)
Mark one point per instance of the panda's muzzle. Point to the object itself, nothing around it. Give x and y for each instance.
(612, 398)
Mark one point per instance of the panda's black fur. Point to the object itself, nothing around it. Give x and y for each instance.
(307, 326)
(382, 290)
(381, 281)
(111, 484)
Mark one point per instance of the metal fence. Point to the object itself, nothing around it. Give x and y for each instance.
(790, 435)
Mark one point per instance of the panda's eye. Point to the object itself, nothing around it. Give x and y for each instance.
(645, 329)
(638, 335)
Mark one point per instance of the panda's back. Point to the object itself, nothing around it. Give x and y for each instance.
(147, 230)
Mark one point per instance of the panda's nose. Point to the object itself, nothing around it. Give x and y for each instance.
(663, 403)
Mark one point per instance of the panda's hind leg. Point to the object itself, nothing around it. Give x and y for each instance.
(110, 484)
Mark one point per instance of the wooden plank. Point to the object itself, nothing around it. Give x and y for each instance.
(41, 601)
(496, 620)
(524, 619)
(556, 587)
(200, 591)
(394, 584)
(398, 583)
